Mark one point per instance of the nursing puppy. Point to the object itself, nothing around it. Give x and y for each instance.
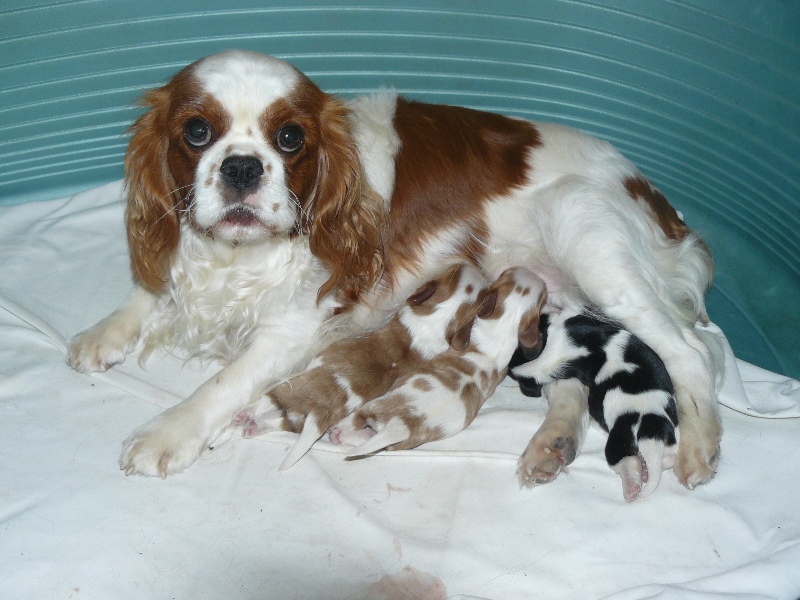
(352, 371)
(630, 395)
(444, 395)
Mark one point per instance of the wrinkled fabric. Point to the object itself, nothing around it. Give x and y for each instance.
(447, 520)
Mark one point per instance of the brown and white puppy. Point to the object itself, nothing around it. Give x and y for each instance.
(443, 396)
(436, 319)
(252, 193)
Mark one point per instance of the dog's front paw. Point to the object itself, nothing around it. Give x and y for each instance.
(168, 444)
(544, 458)
(100, 347)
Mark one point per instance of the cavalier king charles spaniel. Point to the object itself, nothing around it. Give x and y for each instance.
(261, 210)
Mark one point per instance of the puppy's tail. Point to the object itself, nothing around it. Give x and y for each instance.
(310, 434)
(394, 432)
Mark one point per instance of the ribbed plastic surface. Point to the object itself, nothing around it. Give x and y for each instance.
(702, 95)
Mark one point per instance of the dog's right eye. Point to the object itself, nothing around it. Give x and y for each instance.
(198, 133)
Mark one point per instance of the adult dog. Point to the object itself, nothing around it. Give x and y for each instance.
(259, 206)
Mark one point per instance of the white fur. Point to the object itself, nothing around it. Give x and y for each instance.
(245, 84)
(253, 304)
(376, 139)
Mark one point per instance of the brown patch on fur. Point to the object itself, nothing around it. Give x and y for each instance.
(641, 189)
(449, 369)
(473, 398)
(429, 295)
(423, 385)
(529, 334)
(369, 364)
(484, 378)
(494, 303)
(450, 162)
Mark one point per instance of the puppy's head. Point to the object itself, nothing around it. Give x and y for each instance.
(244, 147)
(516, 298)
(444, 308)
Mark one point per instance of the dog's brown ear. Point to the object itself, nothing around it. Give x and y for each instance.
(347, 213)
(530, 337)
(423, 293)
(488, 304)
(459, 339)
(154, 203)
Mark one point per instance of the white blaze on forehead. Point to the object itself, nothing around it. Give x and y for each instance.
(245, 83)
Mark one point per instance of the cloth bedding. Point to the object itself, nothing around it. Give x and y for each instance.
(447, 520)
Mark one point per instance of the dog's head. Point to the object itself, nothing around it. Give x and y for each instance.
(244, 147)
(514, 301)
(440, 314)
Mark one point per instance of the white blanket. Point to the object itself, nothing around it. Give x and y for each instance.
(448, 520)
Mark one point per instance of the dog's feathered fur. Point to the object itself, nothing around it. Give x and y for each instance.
(356, 204)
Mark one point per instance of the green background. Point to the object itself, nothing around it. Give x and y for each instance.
(702, 95)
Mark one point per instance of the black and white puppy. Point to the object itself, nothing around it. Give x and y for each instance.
(630, 395)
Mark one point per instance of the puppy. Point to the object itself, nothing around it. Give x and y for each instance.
(436, 318)
(630, 395)
(444, 395)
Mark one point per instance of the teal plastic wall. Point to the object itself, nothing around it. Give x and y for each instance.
(701, 94)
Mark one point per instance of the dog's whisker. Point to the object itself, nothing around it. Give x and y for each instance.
(175, 207)
(305, 216)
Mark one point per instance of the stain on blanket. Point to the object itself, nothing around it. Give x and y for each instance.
(408, 584)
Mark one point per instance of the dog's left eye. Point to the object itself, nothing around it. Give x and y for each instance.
(198, 133)
(290, 138)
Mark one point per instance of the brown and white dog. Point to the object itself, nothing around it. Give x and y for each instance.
(442, 397)
(435, 320)
(258, 205)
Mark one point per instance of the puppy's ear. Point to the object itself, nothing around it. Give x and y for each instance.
(488, 304)
(459, 338)
(346, 213)
(423, 293)
(530, 337)
(151, 216)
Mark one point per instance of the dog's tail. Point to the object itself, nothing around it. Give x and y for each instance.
(394, 432)
(308, 437)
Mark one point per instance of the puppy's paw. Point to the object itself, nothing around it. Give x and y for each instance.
(344, 436)
(168, 444)
(634, 474)
(544, 458)
(261, 416)
(101, 347)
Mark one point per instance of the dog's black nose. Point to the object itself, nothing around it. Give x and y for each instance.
(241, 172)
